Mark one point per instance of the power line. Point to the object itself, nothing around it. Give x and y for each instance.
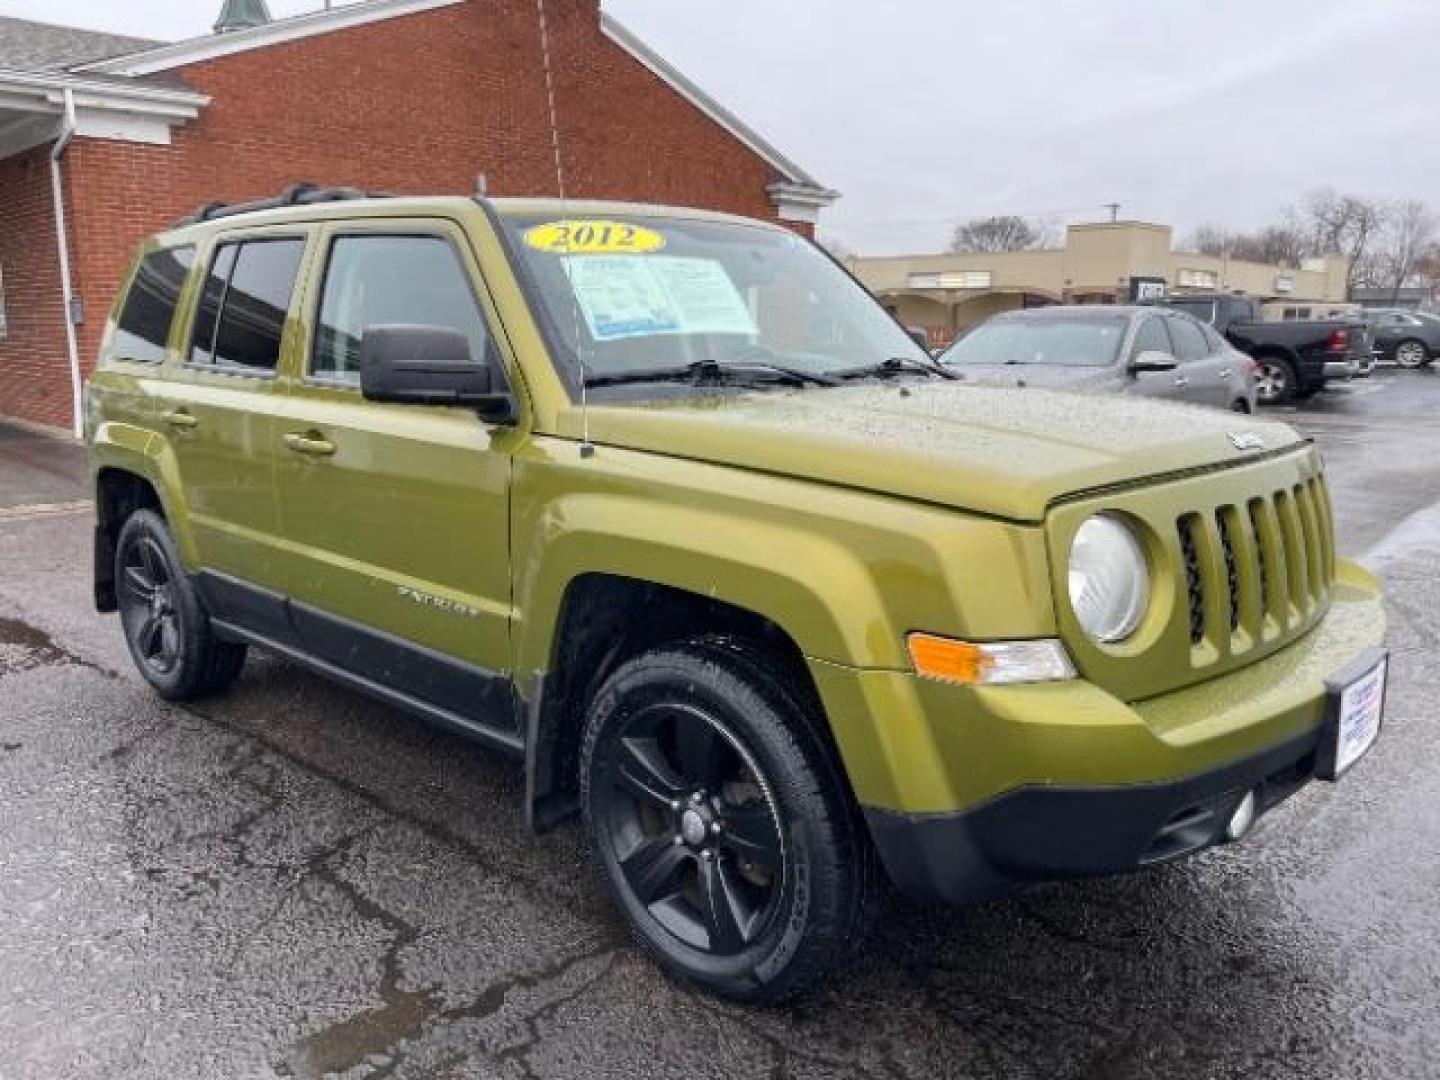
(956, 219)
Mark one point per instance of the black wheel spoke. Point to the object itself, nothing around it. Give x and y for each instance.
(140, 583)
(169, 638)
(653, 869)
(641, 769)
(148, 636)
(752, 834)
(153, 566)
(727, 915)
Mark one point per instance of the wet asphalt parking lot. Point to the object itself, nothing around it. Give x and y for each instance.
(294, 882)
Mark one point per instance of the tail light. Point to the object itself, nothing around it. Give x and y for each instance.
(1339, 341)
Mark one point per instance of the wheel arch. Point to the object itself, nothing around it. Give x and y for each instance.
(606, 619)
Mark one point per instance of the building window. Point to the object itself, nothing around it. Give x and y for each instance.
(951, 279)
(1197, 279)
(143, 331)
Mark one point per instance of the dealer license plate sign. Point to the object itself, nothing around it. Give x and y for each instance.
(1354, 713)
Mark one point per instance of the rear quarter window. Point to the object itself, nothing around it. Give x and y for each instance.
(142, 332)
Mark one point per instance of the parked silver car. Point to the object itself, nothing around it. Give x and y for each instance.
(1125, 350)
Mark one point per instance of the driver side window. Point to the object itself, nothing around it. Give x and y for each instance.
(383, 280)
(1151, 337)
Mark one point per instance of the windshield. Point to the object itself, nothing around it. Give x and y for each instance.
(1042, 342)
(650, 293)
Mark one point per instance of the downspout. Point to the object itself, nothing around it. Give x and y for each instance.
(62, 240)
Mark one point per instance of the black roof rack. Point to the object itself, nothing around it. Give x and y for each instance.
(304, 194)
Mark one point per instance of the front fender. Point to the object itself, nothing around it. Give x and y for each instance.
(846, 574)
(781, 573)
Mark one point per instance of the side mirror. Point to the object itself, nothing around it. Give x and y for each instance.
(1153, 360)
(431, 365)
(920, 336)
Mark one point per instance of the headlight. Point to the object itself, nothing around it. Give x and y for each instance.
(1109, 580)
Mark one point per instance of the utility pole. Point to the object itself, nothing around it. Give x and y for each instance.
(1114, 208)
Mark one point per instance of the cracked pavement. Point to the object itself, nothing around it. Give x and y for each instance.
(292, 881)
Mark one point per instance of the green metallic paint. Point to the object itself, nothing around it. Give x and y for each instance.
(847, 517)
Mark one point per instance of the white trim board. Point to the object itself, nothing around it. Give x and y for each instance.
(213, 46)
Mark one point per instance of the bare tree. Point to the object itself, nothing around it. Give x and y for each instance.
(1279, 245)
(1007, 232)
(1208, 240)
(1409, 236)
(1343, 224)
(1427, 269)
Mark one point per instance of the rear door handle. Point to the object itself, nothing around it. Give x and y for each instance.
(1181, 380)
(1225, 373)
(309, 443)
(179, 418)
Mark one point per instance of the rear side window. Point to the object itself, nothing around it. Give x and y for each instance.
(144, 326)
(1190, 343)
(384, 280)
(244, 304)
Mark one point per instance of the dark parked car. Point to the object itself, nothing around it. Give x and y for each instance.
(1409, 338)
(1124, 350)
(1296, 357)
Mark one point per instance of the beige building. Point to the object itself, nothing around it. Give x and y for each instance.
(1106, 263)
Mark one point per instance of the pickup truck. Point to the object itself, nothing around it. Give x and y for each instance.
(1295, 358)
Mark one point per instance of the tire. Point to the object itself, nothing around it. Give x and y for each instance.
(1240, 405)
(1275, 382)
(1411, 354)
(769, 831)
(165, 625)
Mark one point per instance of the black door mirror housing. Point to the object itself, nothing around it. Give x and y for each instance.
(432, 365)
(1153, 360)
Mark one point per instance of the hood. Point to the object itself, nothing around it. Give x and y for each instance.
(1004, 452)
(1069, 377)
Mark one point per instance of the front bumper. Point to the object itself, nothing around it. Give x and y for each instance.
(1050, 833)
(970, 792)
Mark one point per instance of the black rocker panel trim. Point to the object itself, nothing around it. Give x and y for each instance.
(465, 697)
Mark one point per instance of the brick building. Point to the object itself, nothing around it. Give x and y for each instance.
(104, 139)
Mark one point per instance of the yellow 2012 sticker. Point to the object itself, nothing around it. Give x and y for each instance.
(594, 238)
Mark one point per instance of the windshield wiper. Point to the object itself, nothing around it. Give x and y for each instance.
(742, 373)
(897, 365)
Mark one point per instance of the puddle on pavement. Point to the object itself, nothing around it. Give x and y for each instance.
(369, 1037)
(26, 648)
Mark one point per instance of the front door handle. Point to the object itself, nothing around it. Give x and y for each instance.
(1225, 373)
(1181, 380)
(179, 418)
(309, 443)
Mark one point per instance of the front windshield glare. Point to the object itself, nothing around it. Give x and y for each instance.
(1055, 343)
(631, 294)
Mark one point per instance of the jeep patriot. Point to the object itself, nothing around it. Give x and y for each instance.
(664, 505)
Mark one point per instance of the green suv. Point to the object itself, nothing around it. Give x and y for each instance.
(664, 505)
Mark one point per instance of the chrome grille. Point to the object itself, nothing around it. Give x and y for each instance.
(1256, 571)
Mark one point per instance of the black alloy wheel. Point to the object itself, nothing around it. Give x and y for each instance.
(147, 606)
(722, 821)
(165, 623)
(692, 826)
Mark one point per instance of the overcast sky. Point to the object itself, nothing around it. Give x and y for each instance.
(923, 112)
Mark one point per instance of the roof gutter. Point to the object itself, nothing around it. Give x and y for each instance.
(62, 242)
